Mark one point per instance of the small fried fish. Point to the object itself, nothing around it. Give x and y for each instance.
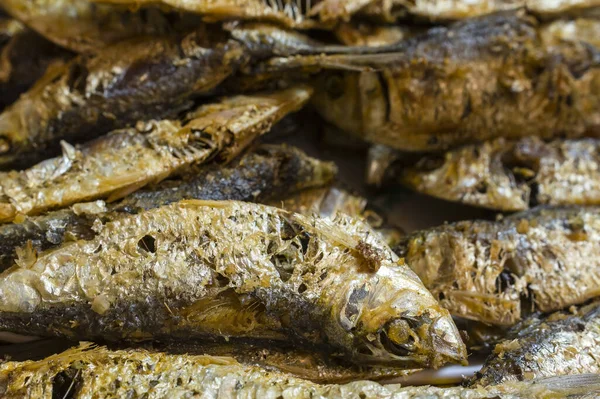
(266, 174)
(121, 162)
(511, 175)
(580, 29)
(90, 371)
(476, 80)
(142, 79)
(562, 343)
(544, 259)
(207, 270)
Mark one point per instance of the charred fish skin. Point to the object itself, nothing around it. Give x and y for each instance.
(204, 270)
(561, 343)
(483, 270)
(511, 175)
(24, 56)
(435, 92)
(265, 174)
(123, 161)
(96, 371)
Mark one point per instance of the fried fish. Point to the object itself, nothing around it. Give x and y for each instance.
(480, 79)
(511, 175)
(121, 162)
(268, 173)
(96, 371)
(544, 259)
(139, 80)
(209, 270)
(561, 343)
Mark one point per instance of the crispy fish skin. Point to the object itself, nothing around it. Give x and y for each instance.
(125, 160)
(86, 27)
(562, 343)
(328, 202)
(512, 175)
(482, 270)
(268, 173)
(209, 269)
(88, 371)
(480, 79)
(24, 57)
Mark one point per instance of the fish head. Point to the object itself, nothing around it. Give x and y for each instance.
(337, 99)
(399, 323)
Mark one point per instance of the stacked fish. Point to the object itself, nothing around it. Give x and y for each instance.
(145, 212)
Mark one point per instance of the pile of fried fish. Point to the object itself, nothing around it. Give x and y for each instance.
(147, 219)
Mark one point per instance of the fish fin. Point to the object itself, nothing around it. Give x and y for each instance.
(571, 384)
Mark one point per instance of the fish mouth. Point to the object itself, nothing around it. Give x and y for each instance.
(414, 342)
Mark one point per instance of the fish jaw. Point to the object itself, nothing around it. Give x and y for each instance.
(416, 330)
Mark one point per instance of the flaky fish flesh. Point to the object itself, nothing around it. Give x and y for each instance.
(580, 29)
(561, 343)
(139, 80)
(84, 26)
(88, 371)
(121, 162)
(510, 175)
(484, 78)
(201, 270)
(495, 272)
(328, 202)
(24, 58)
(269, 173)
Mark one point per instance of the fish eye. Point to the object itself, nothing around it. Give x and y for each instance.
(334, 86)
(4, 145)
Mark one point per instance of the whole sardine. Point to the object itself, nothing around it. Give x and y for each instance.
(126, 160)
(88, 371)
(139, 80)
(562, 343)
(484, 78)
(267, 174)
(201, 270)
(84, 26)
(511, 175)
(24, 57)
(545, 259)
